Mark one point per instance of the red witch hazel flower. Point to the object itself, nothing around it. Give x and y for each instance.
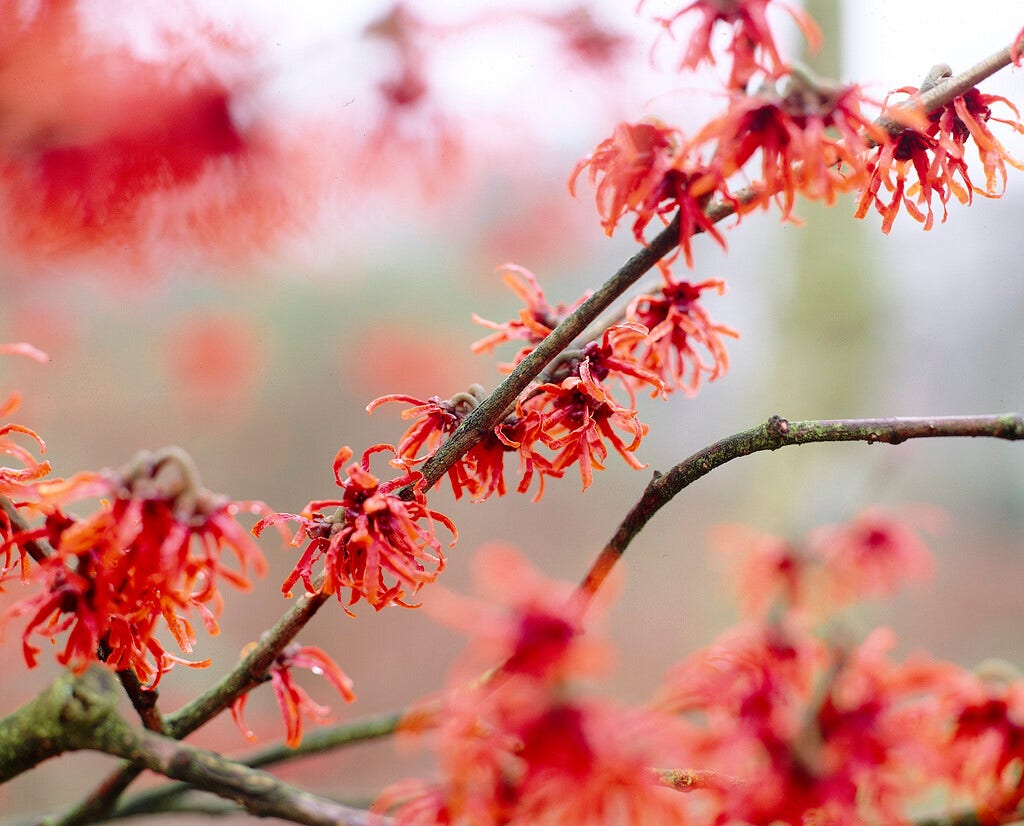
(292, 699)
(812, 136)
(515, 748)
(874, 554)
(77, 177)
(480, 471)
(536, 319)
(752, 46)
(933, 150)
(577, 416)
(645, 168)
(151, 552)
(375, 543)
(18, 484)
(678, 325)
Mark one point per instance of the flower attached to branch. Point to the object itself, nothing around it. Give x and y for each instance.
(646, 169)
(536, 319)
(874, 554)
(752, 46)
(677, 326)
(18, 484)
(812, 136)
(151, 552)
(379, 546)
(578, 415)
(292, 699)
(933, 150)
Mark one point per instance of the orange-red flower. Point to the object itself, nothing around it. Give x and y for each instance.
(933, 150)
(516, 748)
(770, 572)
(752, 46)
(79, 176)
(872, 555)
(379, 546)
(584, 39)
(536, 319)
(577, 416)
(645, 168)
(678, 325)
(811, 135)
(151, 552)
(292, 699)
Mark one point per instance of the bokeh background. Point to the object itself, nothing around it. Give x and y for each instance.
(260, 362)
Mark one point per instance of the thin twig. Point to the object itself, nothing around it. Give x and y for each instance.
(38, 549)
(316, 742)
(771, 435)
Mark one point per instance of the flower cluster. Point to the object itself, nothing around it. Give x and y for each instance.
(648, 169)
(77, 177)
(871, 556)
(927, 159)
(804, 136)
(375, 543)
(151, 554)
(666, 341)
(812, 137)
(516, 747)
(773, 722)
(18, 484)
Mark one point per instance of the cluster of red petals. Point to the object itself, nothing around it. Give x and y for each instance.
(783, 724)
(811, 136)
(646, 169)
(752, 46)
(824, 733)
(102, 148)
(517, 748)
(797, 728)
(679, 328)
(584, 39)
(377, 544)
(413, 138)
(149, 556)
(481, 470)
(18, 484)
(987, 743)
(293, 700)
(928, 160)
(871, 556)
(667, 340)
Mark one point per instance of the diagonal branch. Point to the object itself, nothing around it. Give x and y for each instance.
(771, 435)
(490, 411)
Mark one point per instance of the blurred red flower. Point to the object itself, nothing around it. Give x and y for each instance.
(103, 151)
(752, 46)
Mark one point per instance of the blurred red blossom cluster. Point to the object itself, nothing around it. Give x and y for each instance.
(787, 725)
(109, 152)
